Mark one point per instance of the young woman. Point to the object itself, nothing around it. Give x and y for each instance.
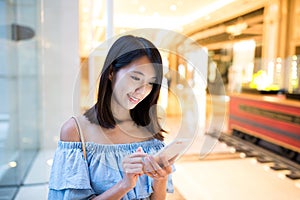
(107, 153)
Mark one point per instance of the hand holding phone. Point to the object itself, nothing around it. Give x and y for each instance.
(171, 152)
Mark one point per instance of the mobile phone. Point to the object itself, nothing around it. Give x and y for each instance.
(173, 150)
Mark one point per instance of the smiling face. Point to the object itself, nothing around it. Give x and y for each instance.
(132, 83)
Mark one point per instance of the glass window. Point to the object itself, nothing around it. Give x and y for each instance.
(19, 91)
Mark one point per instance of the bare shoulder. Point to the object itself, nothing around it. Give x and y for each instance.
(69, 132)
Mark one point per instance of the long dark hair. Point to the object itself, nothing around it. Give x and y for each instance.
(125, 50)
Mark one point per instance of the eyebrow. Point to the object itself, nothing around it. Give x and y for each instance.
(138, 72)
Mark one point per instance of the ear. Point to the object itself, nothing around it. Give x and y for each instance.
(111, 73)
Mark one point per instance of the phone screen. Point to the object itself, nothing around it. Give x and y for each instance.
(172, 151)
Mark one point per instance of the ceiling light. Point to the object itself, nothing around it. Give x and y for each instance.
(142, 9)
(243, 155)
(12, 164)
(281, 175)
(236, 29)
(232, 150)
(266, 168)
(173, 7)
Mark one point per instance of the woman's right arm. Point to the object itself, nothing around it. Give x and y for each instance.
(132, 165)
(133, 168)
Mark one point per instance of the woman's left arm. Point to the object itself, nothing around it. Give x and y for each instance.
(159, 175)
(159, 189)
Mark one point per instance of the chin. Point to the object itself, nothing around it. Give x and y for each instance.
(132, 107)
(129, 106)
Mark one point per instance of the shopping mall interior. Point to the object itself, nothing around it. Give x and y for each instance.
(231, 84)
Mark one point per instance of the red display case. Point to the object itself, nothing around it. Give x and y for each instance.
(272, 118)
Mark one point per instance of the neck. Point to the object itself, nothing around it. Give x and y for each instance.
(120, 114)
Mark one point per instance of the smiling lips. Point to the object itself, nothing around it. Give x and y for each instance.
(133, 99)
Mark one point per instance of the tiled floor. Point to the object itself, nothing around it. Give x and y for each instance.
(33, 192)
(36, 182)
(232, 179)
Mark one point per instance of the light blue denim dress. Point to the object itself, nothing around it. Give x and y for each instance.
(73, 177)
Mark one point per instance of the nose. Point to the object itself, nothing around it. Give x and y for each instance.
(144, 89)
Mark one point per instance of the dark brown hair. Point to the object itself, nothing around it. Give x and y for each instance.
(125, 50)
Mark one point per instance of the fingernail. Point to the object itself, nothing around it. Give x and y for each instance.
(140, 149)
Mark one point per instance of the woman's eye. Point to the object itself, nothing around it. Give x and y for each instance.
(135, 78)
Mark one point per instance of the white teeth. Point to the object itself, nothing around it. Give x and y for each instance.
(134, 98)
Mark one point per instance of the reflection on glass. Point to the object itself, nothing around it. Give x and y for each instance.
(19, 92)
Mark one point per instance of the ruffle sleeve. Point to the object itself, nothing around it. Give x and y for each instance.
(69, 177)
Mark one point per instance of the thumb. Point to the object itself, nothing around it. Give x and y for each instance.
(139, 149)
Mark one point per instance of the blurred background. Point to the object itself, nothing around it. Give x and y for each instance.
(231, 73)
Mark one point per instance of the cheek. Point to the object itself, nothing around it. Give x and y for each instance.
(119, 82)
(123, 86)
(127, 84)
(148, 91)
